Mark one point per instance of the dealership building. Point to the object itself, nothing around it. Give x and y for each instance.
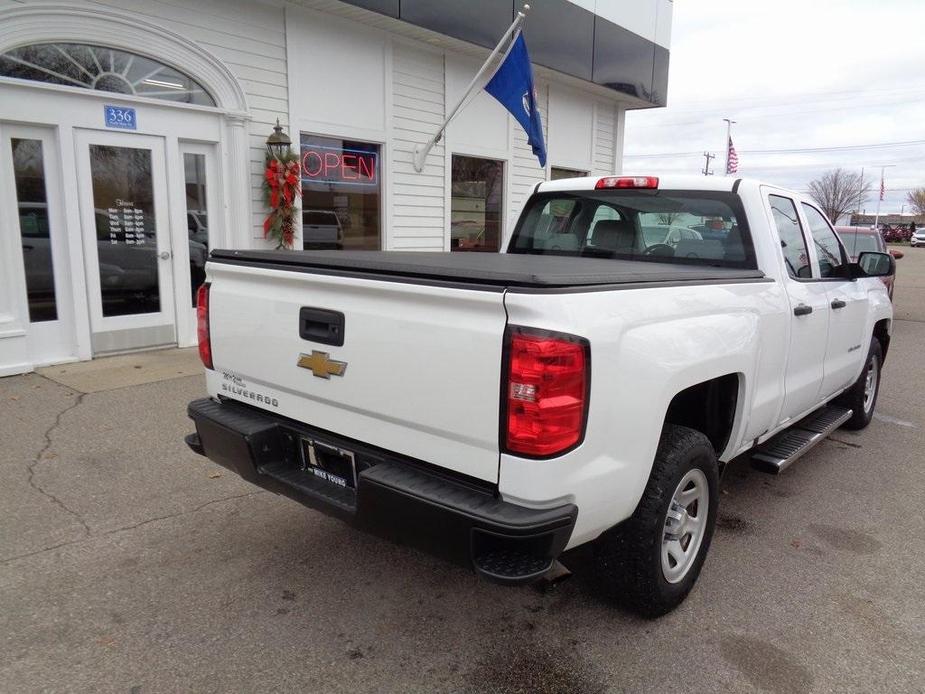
(133, 140)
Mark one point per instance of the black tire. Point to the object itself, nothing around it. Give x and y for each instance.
(855, 396)
(630, 556)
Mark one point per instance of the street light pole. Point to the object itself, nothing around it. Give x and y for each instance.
(728, 138)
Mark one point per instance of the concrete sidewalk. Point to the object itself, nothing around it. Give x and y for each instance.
(125, 370)
(128, 564)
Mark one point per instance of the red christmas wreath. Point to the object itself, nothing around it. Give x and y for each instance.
(281, 188)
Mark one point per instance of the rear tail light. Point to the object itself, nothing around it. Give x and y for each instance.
(546, 392)
(627, 182)
(202, 325)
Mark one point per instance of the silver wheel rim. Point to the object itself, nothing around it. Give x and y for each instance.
(685, 525)
(871, 376)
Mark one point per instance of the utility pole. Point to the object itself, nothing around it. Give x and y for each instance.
(728, 138)
(860, 190)
(879, 197)
(706, 168)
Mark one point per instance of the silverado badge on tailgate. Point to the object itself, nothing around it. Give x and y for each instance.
(321, 365)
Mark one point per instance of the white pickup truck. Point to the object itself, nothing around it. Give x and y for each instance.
(588, 384)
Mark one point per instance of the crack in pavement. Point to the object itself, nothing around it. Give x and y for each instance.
(30, 468)
(94, 536)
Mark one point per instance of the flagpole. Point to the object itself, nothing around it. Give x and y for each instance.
(880, 195)
(728, 138)
(421, 151)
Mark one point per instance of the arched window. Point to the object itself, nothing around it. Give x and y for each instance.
(104, 69)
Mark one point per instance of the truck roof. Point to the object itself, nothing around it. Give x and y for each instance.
(665, 182)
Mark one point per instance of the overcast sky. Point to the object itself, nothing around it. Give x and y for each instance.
(794, 74)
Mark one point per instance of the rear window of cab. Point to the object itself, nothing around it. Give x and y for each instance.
(683, 227)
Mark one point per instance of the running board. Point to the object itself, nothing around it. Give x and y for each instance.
(777, 453)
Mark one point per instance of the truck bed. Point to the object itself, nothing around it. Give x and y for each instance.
(498, 270)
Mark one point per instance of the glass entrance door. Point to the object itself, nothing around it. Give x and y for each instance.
(30, 154)
(124, 220)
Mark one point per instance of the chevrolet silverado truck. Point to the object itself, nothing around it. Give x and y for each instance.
(587, 385)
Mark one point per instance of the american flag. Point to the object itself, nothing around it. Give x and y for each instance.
(732, 159)
(882, 189)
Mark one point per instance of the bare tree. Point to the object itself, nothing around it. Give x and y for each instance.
(916, 200)
(837, 191)
(669, 217)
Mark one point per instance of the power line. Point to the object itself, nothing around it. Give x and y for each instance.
(800, 150)
(806, 96)
(904, 101)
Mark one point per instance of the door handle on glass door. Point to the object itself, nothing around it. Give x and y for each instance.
(164, 255)
(838, 303)
(802, 310)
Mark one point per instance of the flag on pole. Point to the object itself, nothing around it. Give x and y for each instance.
(732, 159)
(512, 85)
(882, 189)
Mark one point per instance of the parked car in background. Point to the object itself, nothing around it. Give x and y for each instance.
(918, 238)
(860, 239)
(321, 230)
(893, 234)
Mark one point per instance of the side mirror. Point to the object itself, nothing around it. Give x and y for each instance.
(874, 264)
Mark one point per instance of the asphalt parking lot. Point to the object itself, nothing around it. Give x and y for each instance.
(128, 564)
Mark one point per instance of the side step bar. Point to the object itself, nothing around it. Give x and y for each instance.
(777, 453)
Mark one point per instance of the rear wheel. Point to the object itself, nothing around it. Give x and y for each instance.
(650, 562)
(862, 396)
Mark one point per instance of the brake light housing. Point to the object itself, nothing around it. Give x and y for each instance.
(638, 182)
(545, 392)
(202, 325)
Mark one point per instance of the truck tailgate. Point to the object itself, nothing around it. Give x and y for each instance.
(423, 363)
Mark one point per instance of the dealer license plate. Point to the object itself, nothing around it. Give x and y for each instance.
(329, 463)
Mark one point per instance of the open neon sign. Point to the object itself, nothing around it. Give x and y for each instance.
(336, 165)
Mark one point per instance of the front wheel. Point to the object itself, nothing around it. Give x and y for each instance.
(862, 396)
(650, 562)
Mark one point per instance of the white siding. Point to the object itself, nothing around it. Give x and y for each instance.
(250, 38)
(417, 199)
(604, 138)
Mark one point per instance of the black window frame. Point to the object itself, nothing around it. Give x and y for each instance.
(840, 275)
(794, 202)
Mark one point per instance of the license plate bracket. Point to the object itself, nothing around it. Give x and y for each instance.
(331, 464)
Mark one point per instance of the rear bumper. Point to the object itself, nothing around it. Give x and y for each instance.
(395, 497)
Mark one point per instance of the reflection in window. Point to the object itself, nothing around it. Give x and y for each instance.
(792, 243)
(340, 194)
(126, 234)
(828, 250)
(557, 172)
(103, 69)
(477, 201)
(197, 219)
(29, 172)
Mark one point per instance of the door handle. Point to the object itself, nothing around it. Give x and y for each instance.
(838, 303)
(802, 310)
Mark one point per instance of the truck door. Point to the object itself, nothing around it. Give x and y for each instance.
(809, 306)
(846, 346)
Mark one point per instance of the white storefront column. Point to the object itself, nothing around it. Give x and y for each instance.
(238, 222)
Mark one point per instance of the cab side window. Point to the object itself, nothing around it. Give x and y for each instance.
(828, 249)
(792, 241)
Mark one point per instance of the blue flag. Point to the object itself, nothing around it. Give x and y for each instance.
(512, 85)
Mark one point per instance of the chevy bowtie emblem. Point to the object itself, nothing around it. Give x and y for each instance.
(321, 365)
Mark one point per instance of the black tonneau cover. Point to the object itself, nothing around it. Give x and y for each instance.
(496, 269)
